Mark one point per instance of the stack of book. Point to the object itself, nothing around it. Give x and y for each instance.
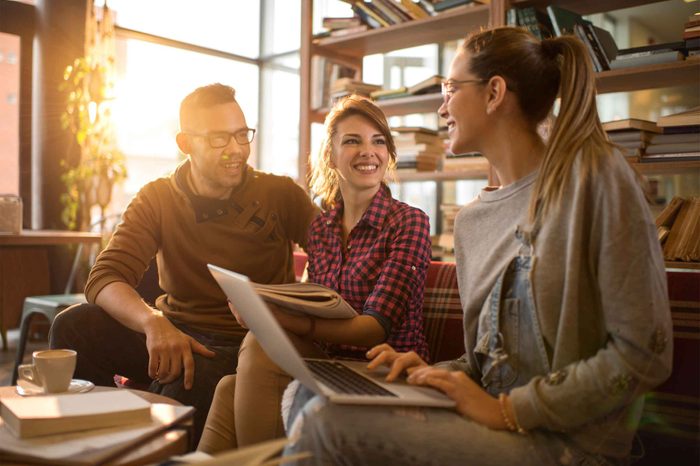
(344, 26)
(429, 85)
(678, 228)
(680, 140)
(691, 29)
(464, 162)
(347, 86)
(444, 243)
(417, 148)
(631, 135)
(324, 73)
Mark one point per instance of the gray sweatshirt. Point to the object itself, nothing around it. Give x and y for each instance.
(600, 292)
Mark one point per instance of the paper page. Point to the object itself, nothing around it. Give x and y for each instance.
(66, 445)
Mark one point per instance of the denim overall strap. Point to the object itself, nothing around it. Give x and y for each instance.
(516, 352)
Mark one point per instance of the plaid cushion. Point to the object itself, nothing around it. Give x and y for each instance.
(442, 312)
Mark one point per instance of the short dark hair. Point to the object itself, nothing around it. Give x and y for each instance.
(204, 97)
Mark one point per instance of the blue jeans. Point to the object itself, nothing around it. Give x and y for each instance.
(509, 352)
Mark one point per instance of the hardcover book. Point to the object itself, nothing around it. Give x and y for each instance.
(631, 123)
(45, 415)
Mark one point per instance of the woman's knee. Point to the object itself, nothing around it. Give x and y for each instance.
(226, 388)
(252, 357)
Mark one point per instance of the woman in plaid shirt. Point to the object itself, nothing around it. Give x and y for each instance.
(372, 249)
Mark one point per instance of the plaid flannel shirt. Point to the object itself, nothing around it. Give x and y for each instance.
(382, 270)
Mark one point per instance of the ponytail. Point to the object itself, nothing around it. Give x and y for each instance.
(536, 72)
(577, 135)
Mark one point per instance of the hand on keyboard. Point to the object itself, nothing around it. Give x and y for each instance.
(398, 363)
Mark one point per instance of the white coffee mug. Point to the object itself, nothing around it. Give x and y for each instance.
(51, 370)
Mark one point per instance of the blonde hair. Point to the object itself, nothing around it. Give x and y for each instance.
(323, 178)
(537, 71)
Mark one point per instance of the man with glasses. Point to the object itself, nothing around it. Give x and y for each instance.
(214, 208)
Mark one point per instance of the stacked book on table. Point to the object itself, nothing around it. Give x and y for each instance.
(417, 148)
(85, 428)
(347, 86)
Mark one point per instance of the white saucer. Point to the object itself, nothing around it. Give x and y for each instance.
(25, 388)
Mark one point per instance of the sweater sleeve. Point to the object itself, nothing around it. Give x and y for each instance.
(625, 258)
(132, 247)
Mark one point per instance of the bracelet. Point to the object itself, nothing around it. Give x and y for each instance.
(512, 426)
(312, 328)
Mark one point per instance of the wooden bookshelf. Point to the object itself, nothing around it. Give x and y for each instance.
(649, 77)
(448, 25)
(684, 266)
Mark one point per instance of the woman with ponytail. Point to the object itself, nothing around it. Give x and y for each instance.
(561, 278)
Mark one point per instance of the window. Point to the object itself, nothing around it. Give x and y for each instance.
(9, 113)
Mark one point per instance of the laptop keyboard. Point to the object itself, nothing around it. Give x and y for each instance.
(344, 380)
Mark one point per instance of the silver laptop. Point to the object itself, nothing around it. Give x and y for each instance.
(341, 381)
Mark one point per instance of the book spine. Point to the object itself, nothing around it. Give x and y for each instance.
(646, 60)
(581, 34)
(415, 9)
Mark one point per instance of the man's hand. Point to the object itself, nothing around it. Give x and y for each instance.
(398, 362)
(170, 350)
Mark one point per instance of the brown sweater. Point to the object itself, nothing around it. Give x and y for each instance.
(251, 233)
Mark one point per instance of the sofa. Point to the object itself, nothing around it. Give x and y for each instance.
(669, 430)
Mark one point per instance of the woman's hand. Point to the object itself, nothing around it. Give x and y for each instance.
(472, 401)
(238, 317)
(397, 362)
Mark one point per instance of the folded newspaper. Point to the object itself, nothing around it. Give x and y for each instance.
(307, 298)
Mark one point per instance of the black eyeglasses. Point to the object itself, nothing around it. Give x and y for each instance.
(448, 87)
(219, 139)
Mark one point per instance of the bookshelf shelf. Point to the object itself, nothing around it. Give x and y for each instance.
(426, 103)
(685, 266)
(583, 8)
(648, 77)
(449, 25)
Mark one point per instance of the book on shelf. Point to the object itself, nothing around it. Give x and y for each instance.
(45, 415)
(599, 61)
(630, 136)
(364, 16)
(631, 123)
(324, 73)
(673, 147)
(683, 240)
(349, 31)
(306, 298)
(669, 213)
(369, 15)
(532, 19)
(563, 20)
(413, 129)
(332, 22)
(656, 58)
(387, 8)
(671, 157)
(686, 118)
(443, 5)
(415, 9)
(379, 13)
(429, 85)
(383, 94)
(676, 137)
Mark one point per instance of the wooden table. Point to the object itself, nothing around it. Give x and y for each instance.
(156, 450)
(25, 271)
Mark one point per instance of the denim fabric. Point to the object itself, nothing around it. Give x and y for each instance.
(109, 348)
(510, 351)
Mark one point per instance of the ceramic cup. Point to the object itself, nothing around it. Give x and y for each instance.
(51, 370)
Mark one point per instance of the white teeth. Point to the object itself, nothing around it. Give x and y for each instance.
(366, 168)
